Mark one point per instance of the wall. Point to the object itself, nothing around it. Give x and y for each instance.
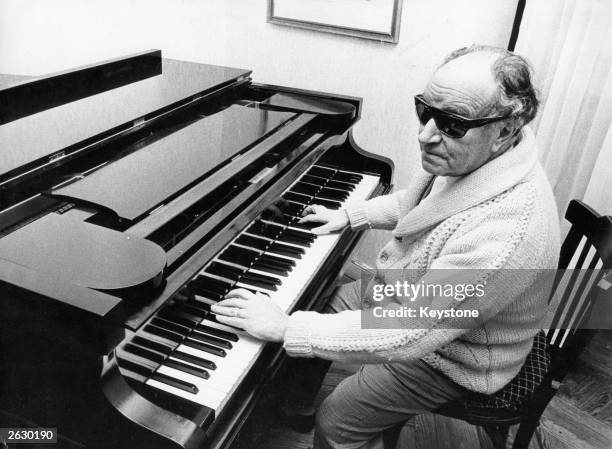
(38, 36)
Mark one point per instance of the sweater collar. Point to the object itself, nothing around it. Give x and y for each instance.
(461, 193)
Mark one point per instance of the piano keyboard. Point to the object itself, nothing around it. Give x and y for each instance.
(182, 350)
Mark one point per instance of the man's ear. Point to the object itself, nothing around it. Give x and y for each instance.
(507, 132)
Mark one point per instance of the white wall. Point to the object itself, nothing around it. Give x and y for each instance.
(38, 36)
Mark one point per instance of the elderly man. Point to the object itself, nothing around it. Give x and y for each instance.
(483, 201)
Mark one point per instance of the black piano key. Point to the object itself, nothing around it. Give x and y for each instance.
(143, 352)
(164, 333)
(347, 177)
(277, 217)
(305, 188)
(253, 242)
(287, 250)
(184, 293)
(333, 194)
(169, 325)
(224, 270)
(292, 218)
(269, 226)
(150, 344)
(320, 171)
(334, 205)
(297, 198)
(194, 359)
(178, 317)
(223, 344)
(314, 180)
(195, 308)
(267, 263)
(201, 306)
(240, 256)
(279, 261)
(296, 234)
(217, 332)
(274, 269)
(264, 229)
(346, 186)
(288, 238)
(294, 209)
(202, 309)
(200, 285)
(184, 367)
(261, 281)
(205, 347)
(212, 284)
(206, 293)
(237, 258)
(137, 368)
(177, 383)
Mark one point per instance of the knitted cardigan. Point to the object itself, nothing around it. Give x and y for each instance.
(498, 218)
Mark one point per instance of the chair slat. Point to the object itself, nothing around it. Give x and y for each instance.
(580, 295)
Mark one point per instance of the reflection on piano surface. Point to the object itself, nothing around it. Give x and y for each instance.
(135, 193)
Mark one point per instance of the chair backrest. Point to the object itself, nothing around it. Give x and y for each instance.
(586, 254)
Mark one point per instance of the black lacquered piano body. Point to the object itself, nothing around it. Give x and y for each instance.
(136, 192)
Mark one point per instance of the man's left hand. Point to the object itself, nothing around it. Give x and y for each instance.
(255, 313)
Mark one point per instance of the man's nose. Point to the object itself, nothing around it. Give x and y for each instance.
(429, 133)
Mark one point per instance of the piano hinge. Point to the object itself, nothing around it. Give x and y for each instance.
(139, 121)
(56, 156)
(157, 209)
(65, 207)
(261, 175)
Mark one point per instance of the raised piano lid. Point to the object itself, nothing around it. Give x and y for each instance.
(142, 180)
(84, 254)
(109, 99)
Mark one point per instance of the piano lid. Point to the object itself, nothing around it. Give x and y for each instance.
(46, 135)
(83, 254)
(142, 180)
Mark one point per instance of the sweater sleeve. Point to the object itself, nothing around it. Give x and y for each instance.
(488, 243)
(381, 212)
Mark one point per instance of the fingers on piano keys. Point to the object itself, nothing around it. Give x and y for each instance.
(183, 350)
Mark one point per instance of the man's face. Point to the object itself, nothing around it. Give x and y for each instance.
(464, 86)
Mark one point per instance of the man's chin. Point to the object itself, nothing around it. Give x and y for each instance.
(432, 168)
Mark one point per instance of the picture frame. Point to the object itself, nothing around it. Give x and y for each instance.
(367, 19)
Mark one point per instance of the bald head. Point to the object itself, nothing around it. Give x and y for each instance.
(515, 94)
(465, 85)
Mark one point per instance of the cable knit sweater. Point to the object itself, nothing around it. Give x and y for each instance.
(500, 217)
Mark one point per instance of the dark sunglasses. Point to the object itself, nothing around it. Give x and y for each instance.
(453, 125)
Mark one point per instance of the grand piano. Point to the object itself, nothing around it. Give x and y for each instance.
(134, 194)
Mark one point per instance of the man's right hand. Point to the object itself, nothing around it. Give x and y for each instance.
(334, 220)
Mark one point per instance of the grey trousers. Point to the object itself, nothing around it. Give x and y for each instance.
(377, 396)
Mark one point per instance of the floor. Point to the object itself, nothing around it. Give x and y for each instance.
(579, 417)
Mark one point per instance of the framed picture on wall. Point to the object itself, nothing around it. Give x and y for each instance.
(368, 19)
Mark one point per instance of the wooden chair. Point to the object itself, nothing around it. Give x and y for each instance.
(587, 247)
